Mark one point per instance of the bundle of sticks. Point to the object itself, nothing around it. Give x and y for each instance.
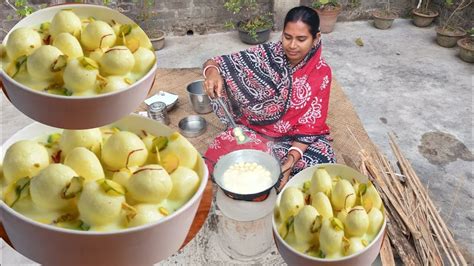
(415, 229)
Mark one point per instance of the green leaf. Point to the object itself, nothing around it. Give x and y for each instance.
(359, 42)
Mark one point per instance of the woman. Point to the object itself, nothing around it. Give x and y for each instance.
(280, 91)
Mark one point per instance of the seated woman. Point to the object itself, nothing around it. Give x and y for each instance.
(279, 90)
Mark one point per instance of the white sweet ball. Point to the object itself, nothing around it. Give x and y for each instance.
(22, 41)
(185, 183)
(96, 207)
(144, 60)
(24, 158)
(98, 34)
(78, 78)
(121, 147)
(39, 63)
(150, 184)
(146, 213)
(69, 45)
(85, 163)
(117, 61)
(138, 34)
(87, 138)
(114, 83)
(65, 21)
(181, 147)
(47, 186)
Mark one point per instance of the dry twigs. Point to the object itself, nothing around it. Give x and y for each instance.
(415, 228)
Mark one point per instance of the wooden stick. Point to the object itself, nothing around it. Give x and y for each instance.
(438, 225)
(420, 196)
(425, 245)
(405, 251)
(415, 233)
(388, 183)
(400, 189)
(386, 253)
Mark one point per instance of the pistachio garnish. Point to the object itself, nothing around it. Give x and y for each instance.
(337, 224)
(59, 64)
(73, 188)
(160, 143)
(111, 187)
(88, 63)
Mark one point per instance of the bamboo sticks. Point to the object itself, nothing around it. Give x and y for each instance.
(415, 228)
(437, 224)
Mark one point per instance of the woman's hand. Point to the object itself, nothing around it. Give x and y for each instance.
(286, 169)
(214, 83)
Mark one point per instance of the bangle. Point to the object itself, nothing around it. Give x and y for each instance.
(296, 149)
(207, 67)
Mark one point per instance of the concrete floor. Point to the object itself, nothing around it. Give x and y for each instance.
(400, 81)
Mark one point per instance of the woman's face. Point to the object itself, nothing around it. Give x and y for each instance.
(297, 41)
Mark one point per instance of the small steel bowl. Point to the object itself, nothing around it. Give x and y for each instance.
(192, 126)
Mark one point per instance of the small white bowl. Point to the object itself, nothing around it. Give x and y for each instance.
(76, 112)
(143, 245)
(293, 257)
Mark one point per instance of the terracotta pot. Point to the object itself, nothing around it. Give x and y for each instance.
(384, 19)
(328, 18)
(158, 42)
(421, 19)
(447, 37)
(466, 50)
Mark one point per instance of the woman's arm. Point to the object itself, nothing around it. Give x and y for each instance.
(213, 81)
(292, 157)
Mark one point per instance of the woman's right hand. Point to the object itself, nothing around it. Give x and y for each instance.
(214, 83)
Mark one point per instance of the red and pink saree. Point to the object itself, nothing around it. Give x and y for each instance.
(276, 103)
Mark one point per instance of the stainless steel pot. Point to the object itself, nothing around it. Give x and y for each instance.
(251, 156)
(198, 98)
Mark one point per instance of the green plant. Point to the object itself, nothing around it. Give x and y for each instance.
(250, 19)
(21, 7)
(322, 4)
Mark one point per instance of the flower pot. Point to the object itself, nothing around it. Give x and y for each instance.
(328, 18)
(262, 36)
(423, 18)
(383, 19)
(158, 41)
(466, 50)
(447, 37)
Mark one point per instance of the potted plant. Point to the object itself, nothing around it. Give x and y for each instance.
(253, 26)
(328, 10)
(466, 47)
(447, 34)
(146, 14)
(422, 15)
(383, 19)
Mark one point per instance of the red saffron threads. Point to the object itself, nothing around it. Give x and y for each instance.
(128, 157)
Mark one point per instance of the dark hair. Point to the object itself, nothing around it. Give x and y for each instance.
(306, 15)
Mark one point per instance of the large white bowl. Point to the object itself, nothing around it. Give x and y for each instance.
(76, 112)
(293, 257)
(142, 245)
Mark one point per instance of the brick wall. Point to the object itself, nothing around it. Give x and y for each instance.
(181, 17)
